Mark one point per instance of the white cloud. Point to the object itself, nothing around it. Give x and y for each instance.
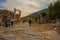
(27, 6)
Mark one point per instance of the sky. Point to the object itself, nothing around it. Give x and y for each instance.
(1, 3)
(3, 0)
(26, 6)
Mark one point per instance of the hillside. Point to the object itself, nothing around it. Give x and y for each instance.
(36, 13)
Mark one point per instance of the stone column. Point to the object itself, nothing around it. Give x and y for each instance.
(14, 10)
(40, 17)
(19, 14)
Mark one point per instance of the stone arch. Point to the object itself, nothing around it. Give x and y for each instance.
(17, 16)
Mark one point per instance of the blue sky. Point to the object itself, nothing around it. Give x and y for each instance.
(26, 6)
(3, 0)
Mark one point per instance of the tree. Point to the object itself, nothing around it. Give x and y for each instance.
(54, 10)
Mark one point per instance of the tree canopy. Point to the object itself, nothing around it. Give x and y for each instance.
(54, 10)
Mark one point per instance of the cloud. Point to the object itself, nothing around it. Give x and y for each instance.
(2, 2)
(1, 6)
(27, 6)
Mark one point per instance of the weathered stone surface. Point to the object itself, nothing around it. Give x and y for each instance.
(28, 33)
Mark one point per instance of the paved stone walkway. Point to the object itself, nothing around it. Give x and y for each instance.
(23, 31)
